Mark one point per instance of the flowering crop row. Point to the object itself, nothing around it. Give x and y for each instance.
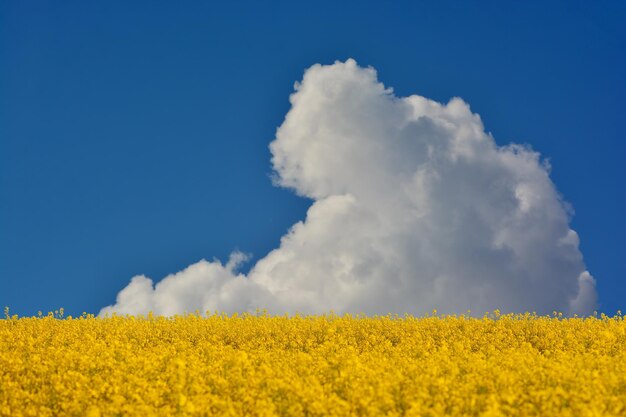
(247, 365)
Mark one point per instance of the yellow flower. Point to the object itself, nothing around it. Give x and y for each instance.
(259, 365)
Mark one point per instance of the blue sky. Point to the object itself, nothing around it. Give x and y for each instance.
(134, 137)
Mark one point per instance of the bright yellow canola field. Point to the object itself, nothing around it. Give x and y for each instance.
(251, 365)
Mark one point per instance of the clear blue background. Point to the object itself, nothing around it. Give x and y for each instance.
(133, 135)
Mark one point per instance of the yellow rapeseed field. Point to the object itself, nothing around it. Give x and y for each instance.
(261, 365)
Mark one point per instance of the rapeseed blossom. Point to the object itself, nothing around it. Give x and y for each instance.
(261, 365)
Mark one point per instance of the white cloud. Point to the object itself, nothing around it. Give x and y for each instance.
(415, 207)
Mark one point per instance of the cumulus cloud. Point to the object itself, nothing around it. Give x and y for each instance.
(415, 207)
